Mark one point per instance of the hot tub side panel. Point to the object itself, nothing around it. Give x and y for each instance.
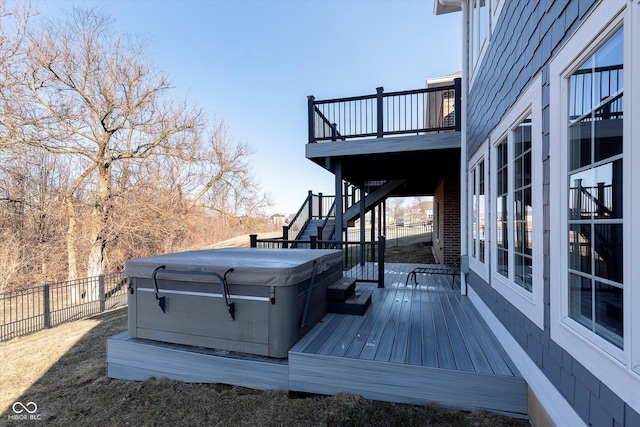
(286, 314)
(196, 314)
(200, 319)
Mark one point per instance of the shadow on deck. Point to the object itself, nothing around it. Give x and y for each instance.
(415, 344)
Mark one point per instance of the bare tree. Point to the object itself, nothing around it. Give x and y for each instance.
(225, 183)
(215, 186)
(31, 216)
(131, 171)
(395, 205)
(14, 23)
(98, 99)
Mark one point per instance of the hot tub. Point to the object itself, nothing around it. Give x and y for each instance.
(248, 300)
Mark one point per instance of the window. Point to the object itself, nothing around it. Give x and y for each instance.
(516, 164)
(478, 30)
(523, 205)
(502, 207)
(595, 216)
(594, 83)
(514, 205)
(478, 215)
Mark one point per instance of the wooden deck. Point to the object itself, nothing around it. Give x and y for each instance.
(416, 344)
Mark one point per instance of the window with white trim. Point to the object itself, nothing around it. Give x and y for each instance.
(523, 205)
(478, 212)
(478, 30)
(595, 216)
(479, 18)
(594, 82)
(502, 207)
(514, 205)
(516, 196)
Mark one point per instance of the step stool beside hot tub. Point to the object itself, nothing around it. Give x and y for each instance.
(247, 300)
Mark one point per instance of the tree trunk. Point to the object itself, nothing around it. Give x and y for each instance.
(99, 226)
(72, 252)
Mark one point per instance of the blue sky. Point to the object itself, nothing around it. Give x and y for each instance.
(253, 63)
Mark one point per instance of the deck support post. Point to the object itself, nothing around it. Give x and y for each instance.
(382, 244)
(337, 170)
(363, 234)
(383, 214)
(312, 119)
(373, 234)
(285, 236)
(380, 112)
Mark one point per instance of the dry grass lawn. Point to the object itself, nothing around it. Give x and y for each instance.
(413, 250)
(244, 240)
(63, 371)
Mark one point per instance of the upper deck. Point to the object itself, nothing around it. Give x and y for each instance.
(412, 135)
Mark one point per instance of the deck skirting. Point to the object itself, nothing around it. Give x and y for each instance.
(401, 383)
(138, 359)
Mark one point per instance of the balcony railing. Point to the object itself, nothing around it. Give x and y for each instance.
(382, 114)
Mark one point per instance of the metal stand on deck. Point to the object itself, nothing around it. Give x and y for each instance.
(453, 270)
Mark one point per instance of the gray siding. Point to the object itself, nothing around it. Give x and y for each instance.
(523, 41)
(527, 36)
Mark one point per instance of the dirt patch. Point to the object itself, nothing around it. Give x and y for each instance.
(63, 371)
(244, 240)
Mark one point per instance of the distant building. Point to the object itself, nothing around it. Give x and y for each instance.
(278, 219)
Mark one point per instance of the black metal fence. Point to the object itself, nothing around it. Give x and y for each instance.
(396, 233)
(364, 261)
(29, 310)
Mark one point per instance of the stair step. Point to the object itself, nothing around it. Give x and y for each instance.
(341, 289)
(355, 304)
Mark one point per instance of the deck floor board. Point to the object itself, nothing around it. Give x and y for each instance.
(429, 344)
(401, 342)
(414, 345)
(389, 330)
(368, 350)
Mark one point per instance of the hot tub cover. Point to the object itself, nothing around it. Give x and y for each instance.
(251, 266)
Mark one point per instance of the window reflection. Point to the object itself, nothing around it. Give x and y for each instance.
(595, 191)
(523, 204)
(502, 211)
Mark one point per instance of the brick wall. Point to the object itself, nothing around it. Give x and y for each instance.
(446, 240)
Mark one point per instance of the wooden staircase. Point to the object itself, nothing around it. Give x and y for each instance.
(344, 298)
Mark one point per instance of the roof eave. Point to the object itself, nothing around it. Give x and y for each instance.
(443, 9)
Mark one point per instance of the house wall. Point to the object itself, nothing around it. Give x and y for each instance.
(520, 49)
(446, 240)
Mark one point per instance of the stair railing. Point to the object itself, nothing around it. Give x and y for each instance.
(331, 213)
(315, 206)
(299, 221)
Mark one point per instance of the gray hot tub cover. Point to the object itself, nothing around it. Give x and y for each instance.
(251, 266)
